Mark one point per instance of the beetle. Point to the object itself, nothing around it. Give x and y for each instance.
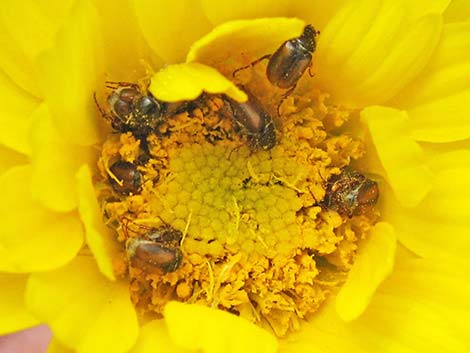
(133, 110)
(253, 118)
(156, 249)
(289, 62)
(130, 179)
(151, 255)
(350, 193)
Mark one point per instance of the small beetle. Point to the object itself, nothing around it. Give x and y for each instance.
(131, 110)
(350, 193)
(157, 248)
(252, 117)
(151, 255)
(130, 179)
(289, 62)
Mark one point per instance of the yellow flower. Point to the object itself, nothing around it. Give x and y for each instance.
(403, 66)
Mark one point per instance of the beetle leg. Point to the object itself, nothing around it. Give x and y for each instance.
(264, 57)
(101, 110)
(283, 98)
(310, 73)
(117, 84)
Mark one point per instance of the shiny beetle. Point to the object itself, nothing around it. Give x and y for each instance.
(156, 249)
(131, 110)
(289, 62)
(129, 179)
(253, 119)
(150, 255)
(350, 193)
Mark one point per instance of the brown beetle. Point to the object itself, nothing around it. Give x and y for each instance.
(289, 62)
(150, 255)
(130, 179)
(156, 249)
(350, 193)
(253, 119)
(131, 110)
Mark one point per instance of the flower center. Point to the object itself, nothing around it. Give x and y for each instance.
(204, 216)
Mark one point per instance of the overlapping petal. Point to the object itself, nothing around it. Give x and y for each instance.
(85, 311)
(15, 315)
(33, 238)
(438, 226)
(10, 158)
(170, 27)
(418, 309)
(55, 163)
(457, 11)
(71, 71)
(373, 265)
(154, 337)
(98, 237)
(360, 53)
(242, 40)
(15, 115)
(127, 54)
(442, 120)
(24, 32)
(446, 74)
(187, 81)
(217, 332)
(401, 157)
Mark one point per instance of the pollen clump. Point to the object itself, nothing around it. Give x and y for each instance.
(256, 239)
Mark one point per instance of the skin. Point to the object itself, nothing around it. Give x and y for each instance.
(33, 340)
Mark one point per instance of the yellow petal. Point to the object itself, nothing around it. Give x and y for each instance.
(457, 11)
(26, 29)
(10, 158)
(217, 331)
(369, 51)
(187, 81)
(71, 71)
(98, 237)
(316, 12)
(32, 238)
(219, 12)
(418, 8)
(417, 309)
(85, 311)
(56, 347)
(401, 157)
(443, 120)
(171, 26)
(154, 337)
(15, 118)
(24, 32)
(15, 316)
(448, 70)
(439, 226)
(55, 163)
(234, 40)
(125, 41)
(373, 264)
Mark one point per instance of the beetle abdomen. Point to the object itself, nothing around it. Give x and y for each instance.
(288, 64)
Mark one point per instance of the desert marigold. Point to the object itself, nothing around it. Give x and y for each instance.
(257, 253)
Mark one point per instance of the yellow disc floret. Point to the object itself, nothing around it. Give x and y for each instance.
(255, 237)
